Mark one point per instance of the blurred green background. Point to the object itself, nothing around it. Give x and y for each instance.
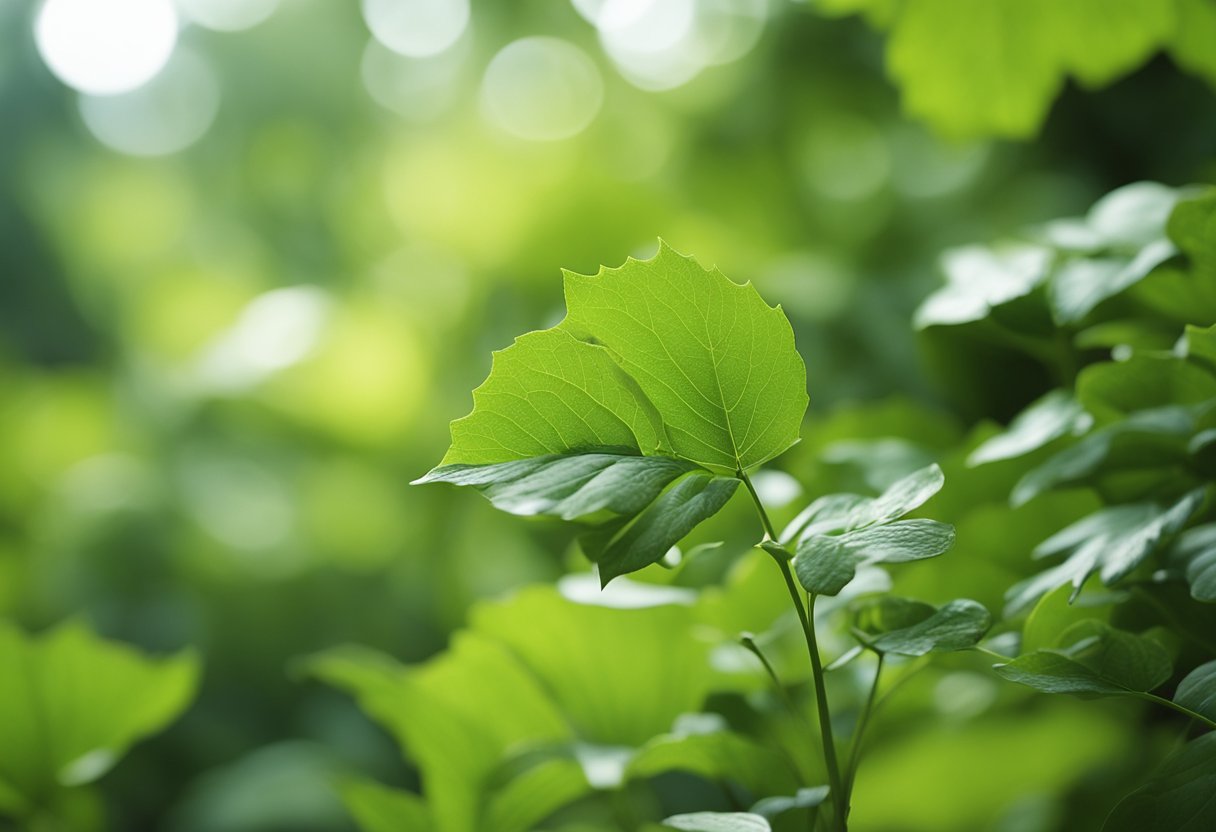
(253, 262)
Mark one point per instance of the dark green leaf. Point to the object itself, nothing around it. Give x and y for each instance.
(1178, 797)
(909, 628)
(1194, 554)
(1198, 691)
(1114, 389)
(1100, 660)
(1112, 542)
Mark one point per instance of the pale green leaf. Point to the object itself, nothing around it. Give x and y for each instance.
(1050, 417)
(717, 362)
(805, 798)
(847, 512)
(1112, 542)
(1080, 284)
(910, 628)
(979, 279)
(1198, 691)
(73, 704)
(717, 756)
(1054, 614)
(528, 799)
(718, 822)
(993, 68)
(377, 808)
(1177, 798)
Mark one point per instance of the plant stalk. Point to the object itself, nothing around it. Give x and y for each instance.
(805, 617)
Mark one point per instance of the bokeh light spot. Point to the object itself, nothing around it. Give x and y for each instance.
(542, 89)
(227, 15)
(108, 47)
(168, 114)
(417, 28)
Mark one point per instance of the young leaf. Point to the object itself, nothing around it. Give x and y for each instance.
(718, 822)
(1198, 691)
(73, 704)
(1112, 541)
(826, 563)
(1101, 660)
(662, 377)
(838, 533)
(1054, 415)
(911, 628)
(1177, 798)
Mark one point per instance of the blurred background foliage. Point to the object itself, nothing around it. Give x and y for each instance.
(253, 258)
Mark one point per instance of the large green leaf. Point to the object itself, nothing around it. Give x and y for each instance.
(1177, 798)
(1112, 542)
(717, 362)
(635, 414)
(993, 68)
(718, 756)
(911, 628)
(73, 703)
(1100, 660)
(1198, 691)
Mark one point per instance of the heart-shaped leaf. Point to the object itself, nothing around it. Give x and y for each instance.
(912, 628)
(636, 413)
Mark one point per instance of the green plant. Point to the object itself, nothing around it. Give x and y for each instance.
(72, 704)
(637, 418)
(1119, 308)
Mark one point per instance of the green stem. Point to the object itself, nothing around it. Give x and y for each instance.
(850, 773)
(805, 617)
(1182, 709)
(750, 643)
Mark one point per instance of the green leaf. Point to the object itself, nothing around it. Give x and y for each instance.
(1194, 553)
(663, 376)
(73, 704)
(716, 756)
(1079, 285)
(1054, 614)
(1054, 415)
(1101, 660)
(1192, 46)
(1147, 439)
(1198, 691)
(848, 512)
(978, 279)
(911, 628)
(1193, 226)
(528, 799)
(826, 563)
(377, 808)
(1199, 343)
(806, 798)
(993, 68)
(1112, 541)
(717, 362)
(1177, 798)
(1114, 389)
(718, 822)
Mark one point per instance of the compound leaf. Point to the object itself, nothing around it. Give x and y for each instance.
(1100, 660)
(1198, 691)
(912, 628)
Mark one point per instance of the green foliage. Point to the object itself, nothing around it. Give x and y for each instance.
(718, 822)
(73, 704)
(911, 628)
(680, 373)
(839, 533)
(1177, 797)
(994, 68)
(1094, 659)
